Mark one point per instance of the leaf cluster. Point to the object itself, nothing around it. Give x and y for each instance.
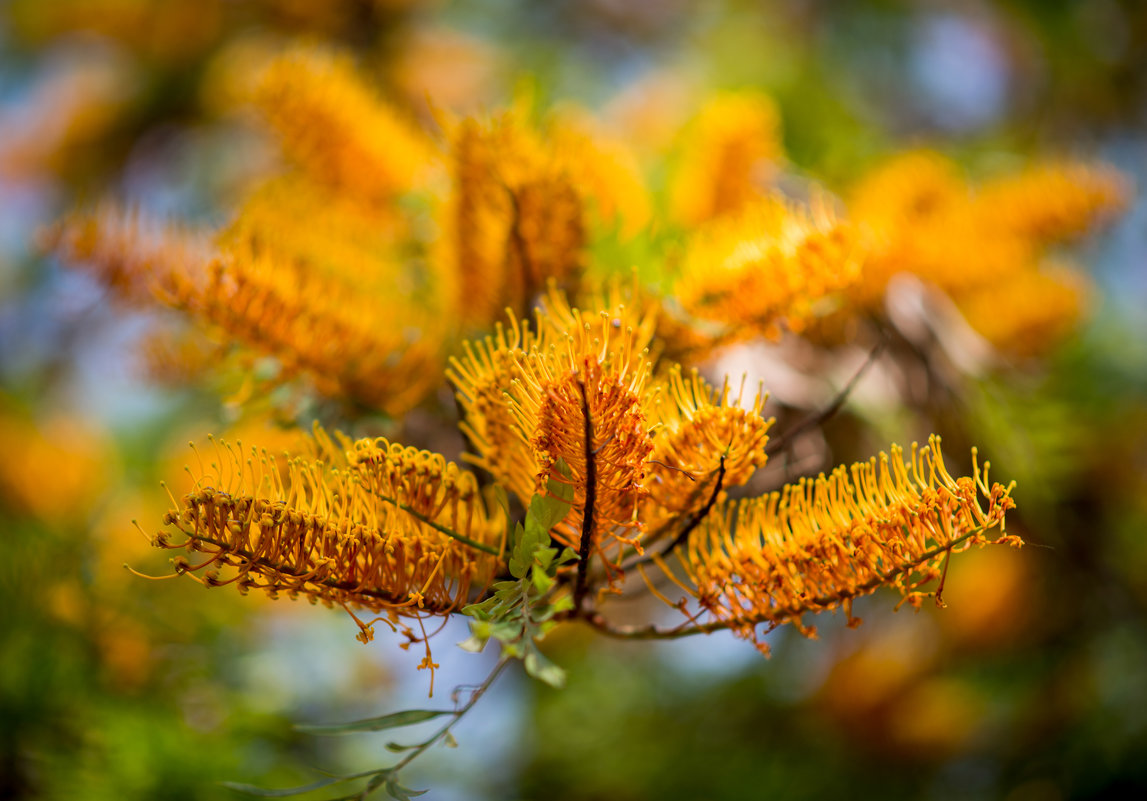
(524, 607)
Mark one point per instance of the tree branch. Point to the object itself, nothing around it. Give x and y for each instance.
(780, 443)
(590, 499)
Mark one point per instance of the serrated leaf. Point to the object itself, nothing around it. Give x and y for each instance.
(543, 557)
(407, 717)
(518, 566)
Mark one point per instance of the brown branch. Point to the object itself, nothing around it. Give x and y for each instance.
(590, 500)
(817, 418)
(694, 520)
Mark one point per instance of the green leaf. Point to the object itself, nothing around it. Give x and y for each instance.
(474, 644)
(546, 511)
(394, 720)
(400, 793)
(449, 740)
(506, 630)
(512, 593)
(562, 604)
(542, 581)
(543, 669)
(480, 608)
(544, 557)
(398, 748)
(250, 789)
(518, 567)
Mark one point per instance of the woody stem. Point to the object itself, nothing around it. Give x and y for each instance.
(586, 543)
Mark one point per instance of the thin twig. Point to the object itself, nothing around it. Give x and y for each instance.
(815, 419)
(694, 520)
(478, 692)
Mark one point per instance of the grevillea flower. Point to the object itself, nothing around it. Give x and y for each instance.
(1053, 202)
(319, 323)
(514, 220)
(771, 266)
(1043, 307)
(332, 126)
(921, 214)
(139, 258)
(328, 331)
(361, 525)
(819, 544)
(604, 170)
(729, 154)
(571, 391)
(704, 442)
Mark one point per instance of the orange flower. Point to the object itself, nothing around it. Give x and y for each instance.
(704, 442)
(138, 257)
(514, 220)
(819, 544)
(771, 266)
(359, 528)
(1043, 306)
(1053, 202)
(730, 152)
(331, 125)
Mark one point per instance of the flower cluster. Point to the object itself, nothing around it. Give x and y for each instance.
(382, 256)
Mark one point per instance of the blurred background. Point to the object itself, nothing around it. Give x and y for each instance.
(1031, 686)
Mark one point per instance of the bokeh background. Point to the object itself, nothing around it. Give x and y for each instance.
(1031, 686)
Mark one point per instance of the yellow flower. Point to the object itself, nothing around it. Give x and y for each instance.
(1053, 202)
(514, 221)
(332, 126)
(924, 216)
(769, 267)
(347, 328)
(1042, 307)
(729, 154)
(573, 391)
(137, 257)
(358, 525)
(819, 544)
(704, 442)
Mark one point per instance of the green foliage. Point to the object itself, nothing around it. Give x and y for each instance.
(522, 610)
(393, 720)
